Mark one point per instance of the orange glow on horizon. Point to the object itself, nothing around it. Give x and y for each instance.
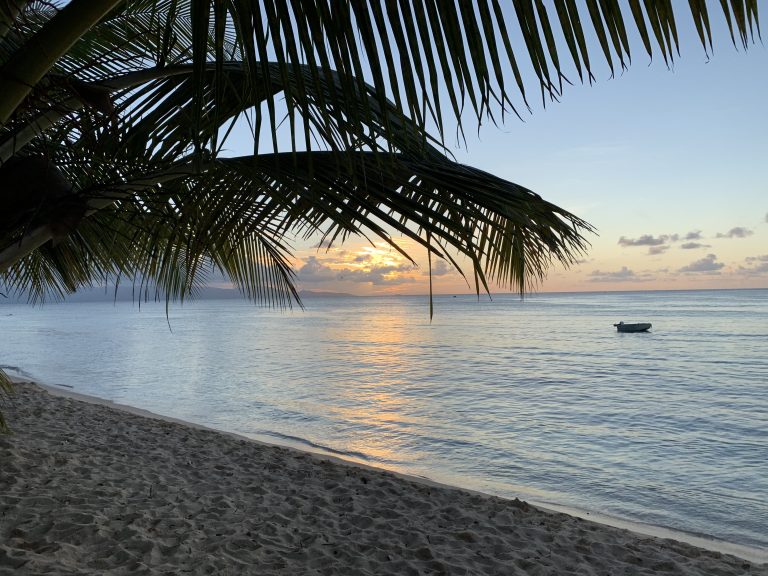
(366, 269)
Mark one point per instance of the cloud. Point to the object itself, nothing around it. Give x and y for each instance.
(693, 245)
(623, 275)
(440, 268)
(737, 232)
(378, 275)
(315, 271)
(758, 265)
(656, 245)
(706, 265)
(646, 240)
(659, 244)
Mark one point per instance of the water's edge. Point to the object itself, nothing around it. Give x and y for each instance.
(540, 399)
(749, 553)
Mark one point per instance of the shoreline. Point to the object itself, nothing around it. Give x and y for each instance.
(665, 542)
(752, 554)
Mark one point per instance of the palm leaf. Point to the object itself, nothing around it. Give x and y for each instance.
(347, 37)
(169, 67)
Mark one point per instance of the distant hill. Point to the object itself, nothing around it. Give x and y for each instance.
(127, 293)
(324, 294)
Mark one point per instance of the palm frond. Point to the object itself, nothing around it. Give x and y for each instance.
(235, 214)
(409, 51)
(186, 210)
(168, 67)
(459, 208)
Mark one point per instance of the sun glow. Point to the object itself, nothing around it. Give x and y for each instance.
(374, 256)
(361, 269)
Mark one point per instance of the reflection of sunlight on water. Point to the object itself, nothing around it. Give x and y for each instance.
(381, 449)
(384, 416)
(371, 392)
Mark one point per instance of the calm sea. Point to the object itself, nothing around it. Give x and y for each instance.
(539, 398)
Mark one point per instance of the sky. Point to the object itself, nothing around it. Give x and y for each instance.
(669, 165)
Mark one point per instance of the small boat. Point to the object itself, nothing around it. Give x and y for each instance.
(638, 327)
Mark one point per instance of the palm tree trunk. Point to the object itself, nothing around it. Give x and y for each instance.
(36, 237)
(30, 242)
(42, 122)
(9, 11)
(15, 142)
(24, 69)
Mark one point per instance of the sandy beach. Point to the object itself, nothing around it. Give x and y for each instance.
(86, 488)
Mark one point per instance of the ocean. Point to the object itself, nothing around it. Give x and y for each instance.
(537, 398)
